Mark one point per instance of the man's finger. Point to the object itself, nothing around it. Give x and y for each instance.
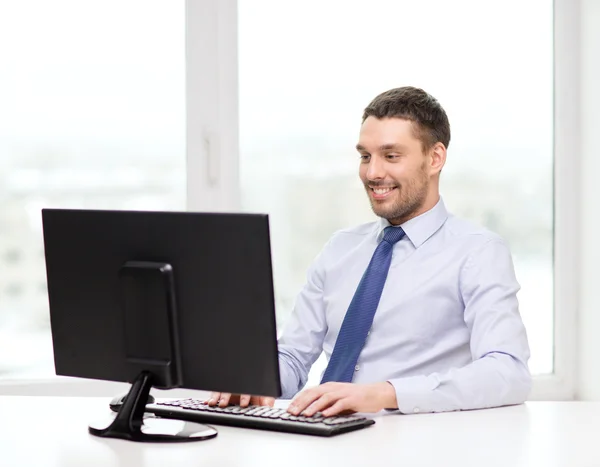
(213, 399)
(323, 402)
(340, 406)
(262, 400)
(305, 398)
(269, 401)
(224, 400)
(245, 400)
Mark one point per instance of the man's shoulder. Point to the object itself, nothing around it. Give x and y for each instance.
(360, 230)
(454, 226)
(347, 238)
(471, 232)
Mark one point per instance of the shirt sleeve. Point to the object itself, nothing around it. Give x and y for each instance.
(498, 374)
(301, 342)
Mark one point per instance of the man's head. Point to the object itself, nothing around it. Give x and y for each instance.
(402, 144)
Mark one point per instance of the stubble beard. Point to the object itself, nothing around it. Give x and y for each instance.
(409, 199)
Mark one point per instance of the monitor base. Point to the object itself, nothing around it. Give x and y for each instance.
(131, 424)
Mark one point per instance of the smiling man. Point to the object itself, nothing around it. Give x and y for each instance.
(416, 311)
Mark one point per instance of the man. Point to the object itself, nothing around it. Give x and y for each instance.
(416, 311)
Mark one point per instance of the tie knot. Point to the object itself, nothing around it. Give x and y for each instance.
(392, 234)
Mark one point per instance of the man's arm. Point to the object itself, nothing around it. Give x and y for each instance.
(498, 374)
(302, 340)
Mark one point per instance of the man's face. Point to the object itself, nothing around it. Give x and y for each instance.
(393, 168)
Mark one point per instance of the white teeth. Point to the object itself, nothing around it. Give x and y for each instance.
(381, 191)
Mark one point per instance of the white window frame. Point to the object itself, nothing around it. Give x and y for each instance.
(560, 385)
(213, 182)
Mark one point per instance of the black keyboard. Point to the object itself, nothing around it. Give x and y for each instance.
(259, 417)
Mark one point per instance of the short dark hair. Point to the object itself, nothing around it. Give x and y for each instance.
(415, 105)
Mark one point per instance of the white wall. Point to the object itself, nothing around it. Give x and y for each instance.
(588, 386)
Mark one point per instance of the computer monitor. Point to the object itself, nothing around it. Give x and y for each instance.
(162, 299)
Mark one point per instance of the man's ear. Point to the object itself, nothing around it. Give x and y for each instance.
(437, 156)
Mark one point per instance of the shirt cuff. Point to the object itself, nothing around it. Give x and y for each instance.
(288, 379)
(415, 393)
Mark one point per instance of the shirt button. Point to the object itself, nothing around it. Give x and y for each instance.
(416, 410)
(369, 333)
(356, 368)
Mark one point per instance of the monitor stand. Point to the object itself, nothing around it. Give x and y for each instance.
(130, 423)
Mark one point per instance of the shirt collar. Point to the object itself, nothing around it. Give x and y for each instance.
(420, 228)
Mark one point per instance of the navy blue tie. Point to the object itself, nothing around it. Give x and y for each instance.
(360, 314)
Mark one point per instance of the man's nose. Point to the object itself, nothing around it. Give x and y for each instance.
(375, 170)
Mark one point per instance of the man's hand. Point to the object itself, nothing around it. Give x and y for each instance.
(223, 399)
(335, 398)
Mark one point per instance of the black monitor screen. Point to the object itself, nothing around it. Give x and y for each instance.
(184, 296)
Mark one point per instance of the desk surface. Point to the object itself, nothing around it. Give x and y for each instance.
(52, 431)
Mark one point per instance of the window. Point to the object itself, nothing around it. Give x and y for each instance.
(308, 69)
(92, 116)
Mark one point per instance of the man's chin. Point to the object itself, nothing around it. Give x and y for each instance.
(389, 214)
(383, 213)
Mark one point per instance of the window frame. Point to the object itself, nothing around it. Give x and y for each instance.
(560, 385)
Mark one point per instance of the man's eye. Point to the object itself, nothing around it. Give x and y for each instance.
(364, 157)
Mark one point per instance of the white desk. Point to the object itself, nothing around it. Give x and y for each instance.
(52, 431)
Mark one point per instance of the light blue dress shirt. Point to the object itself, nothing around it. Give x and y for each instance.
(447, 333)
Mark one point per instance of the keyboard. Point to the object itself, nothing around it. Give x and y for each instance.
(258, 417)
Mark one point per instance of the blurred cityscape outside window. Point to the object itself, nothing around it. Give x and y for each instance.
(92, 115)
(308, 69)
